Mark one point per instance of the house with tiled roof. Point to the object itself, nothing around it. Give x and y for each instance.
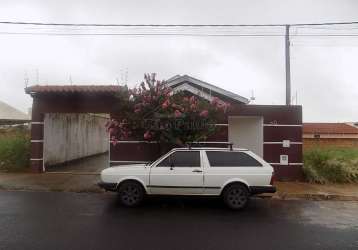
(273, 132)
(330, 135)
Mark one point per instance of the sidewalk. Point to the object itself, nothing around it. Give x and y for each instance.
(87, 182)
(303, 190)
(67, 182)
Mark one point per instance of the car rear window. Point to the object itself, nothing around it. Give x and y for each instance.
(231, 159)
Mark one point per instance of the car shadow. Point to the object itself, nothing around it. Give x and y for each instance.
(185, 204)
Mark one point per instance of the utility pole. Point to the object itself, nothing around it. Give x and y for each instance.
(288, 66)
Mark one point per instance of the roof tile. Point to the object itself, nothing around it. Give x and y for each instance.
(329, 128)
(72, 89)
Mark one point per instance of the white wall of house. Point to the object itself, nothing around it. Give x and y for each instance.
(72, 136)
(247, 132)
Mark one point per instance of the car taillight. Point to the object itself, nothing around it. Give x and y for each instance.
(272, 178)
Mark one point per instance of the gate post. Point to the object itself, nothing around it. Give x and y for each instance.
(37, 141)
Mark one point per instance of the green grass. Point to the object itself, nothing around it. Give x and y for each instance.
(331, 165)
(14, 150)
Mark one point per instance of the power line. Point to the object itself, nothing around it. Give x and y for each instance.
(189, 30)
(208, 30)
(139, 25)
(174, 25)
(176, 34)
(137, 34)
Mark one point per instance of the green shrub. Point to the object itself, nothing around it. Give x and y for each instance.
(14, 151)
(331, 165)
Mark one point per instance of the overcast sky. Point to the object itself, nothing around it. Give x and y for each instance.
(324, 70)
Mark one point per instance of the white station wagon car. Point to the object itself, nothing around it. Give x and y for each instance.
(235, 174)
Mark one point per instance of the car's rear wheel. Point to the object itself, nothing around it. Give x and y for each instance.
(236, 196)
(131, 193)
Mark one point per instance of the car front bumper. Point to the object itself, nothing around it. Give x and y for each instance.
(262, 189)
(107, 186)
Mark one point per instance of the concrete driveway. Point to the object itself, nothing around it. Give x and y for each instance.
(91, 164)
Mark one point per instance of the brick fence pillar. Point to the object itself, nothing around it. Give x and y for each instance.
(37, 142)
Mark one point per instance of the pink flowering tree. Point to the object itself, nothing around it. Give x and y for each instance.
(153, 112)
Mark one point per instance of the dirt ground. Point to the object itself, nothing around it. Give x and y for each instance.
(50, 182)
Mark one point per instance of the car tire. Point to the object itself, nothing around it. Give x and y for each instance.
(236, 196)
(131, 193)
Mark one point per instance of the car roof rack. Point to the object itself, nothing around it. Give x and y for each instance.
(191, 144)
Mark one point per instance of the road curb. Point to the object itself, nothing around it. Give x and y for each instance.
(278, 196)
(318, 197)
(72, 173)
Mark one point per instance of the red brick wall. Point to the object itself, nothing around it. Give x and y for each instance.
(309, 143)
(280, 123)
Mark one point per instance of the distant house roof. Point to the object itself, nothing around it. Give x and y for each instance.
(65, 89)
(329, 128)
(205, 89)
(10, 115)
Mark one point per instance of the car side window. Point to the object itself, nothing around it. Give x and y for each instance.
(181, 159)
(231, 159)
(165, 162)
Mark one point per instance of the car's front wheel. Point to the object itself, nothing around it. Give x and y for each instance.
(131, 193)
(236, 196)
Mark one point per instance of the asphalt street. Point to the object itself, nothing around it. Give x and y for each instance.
(55, 220)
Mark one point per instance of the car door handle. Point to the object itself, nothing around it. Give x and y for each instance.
(197, 171)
